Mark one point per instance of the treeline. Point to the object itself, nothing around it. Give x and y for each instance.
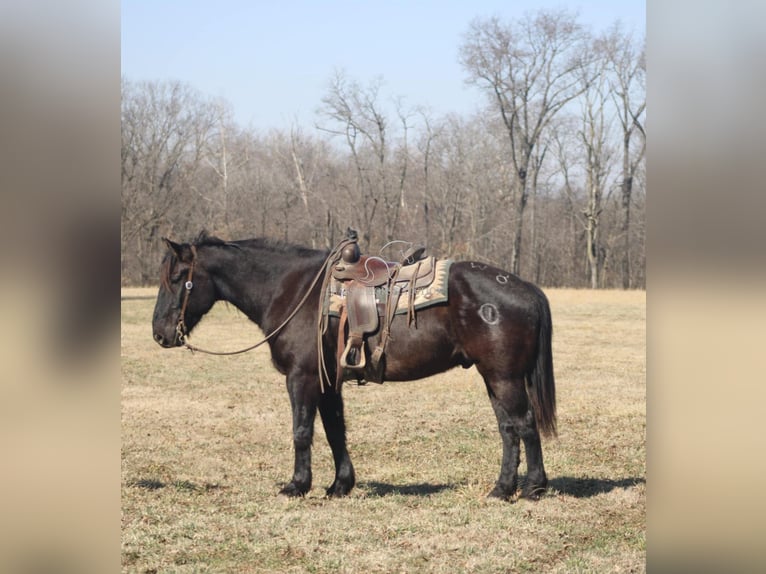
(547, 179)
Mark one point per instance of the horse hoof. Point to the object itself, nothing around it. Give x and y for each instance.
(533, 492)
(535, 489)
(292, 490)
(337, 490)
(500, 494)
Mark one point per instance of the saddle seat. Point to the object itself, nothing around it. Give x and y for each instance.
(376, 272)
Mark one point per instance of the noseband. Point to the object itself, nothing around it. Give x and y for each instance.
(181, 331)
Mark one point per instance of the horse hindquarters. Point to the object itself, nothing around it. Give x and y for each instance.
(504, 327)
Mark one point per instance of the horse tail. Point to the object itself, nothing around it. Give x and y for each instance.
(541, 386)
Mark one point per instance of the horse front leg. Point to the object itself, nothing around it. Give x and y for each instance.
(303, 391)
(331, 410)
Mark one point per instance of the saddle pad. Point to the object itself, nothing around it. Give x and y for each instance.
(436, 292)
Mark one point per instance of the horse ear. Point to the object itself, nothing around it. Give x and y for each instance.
(174, 247)
(181, 250)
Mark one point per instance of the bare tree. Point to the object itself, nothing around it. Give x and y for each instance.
(594, 136)
(425, 146)
(228, 153)
(166, 127)
(538, 160)
(357, 114)
(530, 70)
(396, 201)
(565, 145)
(533, 169)
(354, 111)
(627, 61)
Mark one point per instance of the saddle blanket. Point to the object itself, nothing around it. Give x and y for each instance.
(425, 296)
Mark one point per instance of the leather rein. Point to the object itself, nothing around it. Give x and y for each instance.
(182, 332)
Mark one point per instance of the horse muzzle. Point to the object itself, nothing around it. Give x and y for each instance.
(168, 342)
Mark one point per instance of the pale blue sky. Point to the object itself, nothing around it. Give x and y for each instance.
(272, 60)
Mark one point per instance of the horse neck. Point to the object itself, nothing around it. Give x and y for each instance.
(251, 277)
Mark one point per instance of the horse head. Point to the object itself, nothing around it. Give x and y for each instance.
(186, 293)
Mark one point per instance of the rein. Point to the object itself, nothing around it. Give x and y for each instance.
(181, 326)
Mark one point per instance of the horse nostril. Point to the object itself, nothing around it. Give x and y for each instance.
(159, 338)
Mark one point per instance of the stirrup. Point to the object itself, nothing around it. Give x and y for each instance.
(360, 351)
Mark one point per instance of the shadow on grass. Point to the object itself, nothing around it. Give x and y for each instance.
(383, 489)
(153, 484)
(582, 487)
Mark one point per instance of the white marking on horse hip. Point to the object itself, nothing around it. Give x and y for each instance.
(489, 314)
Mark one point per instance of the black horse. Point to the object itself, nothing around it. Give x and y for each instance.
(493, 320)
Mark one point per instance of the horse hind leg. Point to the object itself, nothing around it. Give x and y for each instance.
(537, 481)
(505, 487)
(516, 422)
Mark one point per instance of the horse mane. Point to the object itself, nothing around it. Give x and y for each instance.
(280, 246)
(204, 239)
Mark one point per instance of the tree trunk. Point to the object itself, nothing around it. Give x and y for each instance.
(627, 190)
(591, 232)
(520, 206)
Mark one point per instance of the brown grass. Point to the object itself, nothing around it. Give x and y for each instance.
(207, 444)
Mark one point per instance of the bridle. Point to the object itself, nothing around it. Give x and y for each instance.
(182, 332)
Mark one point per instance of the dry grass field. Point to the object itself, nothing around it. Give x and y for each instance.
(206, 445)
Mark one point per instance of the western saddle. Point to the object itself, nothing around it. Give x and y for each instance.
(371, 288)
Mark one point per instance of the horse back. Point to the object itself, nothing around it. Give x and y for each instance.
(492, 318)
